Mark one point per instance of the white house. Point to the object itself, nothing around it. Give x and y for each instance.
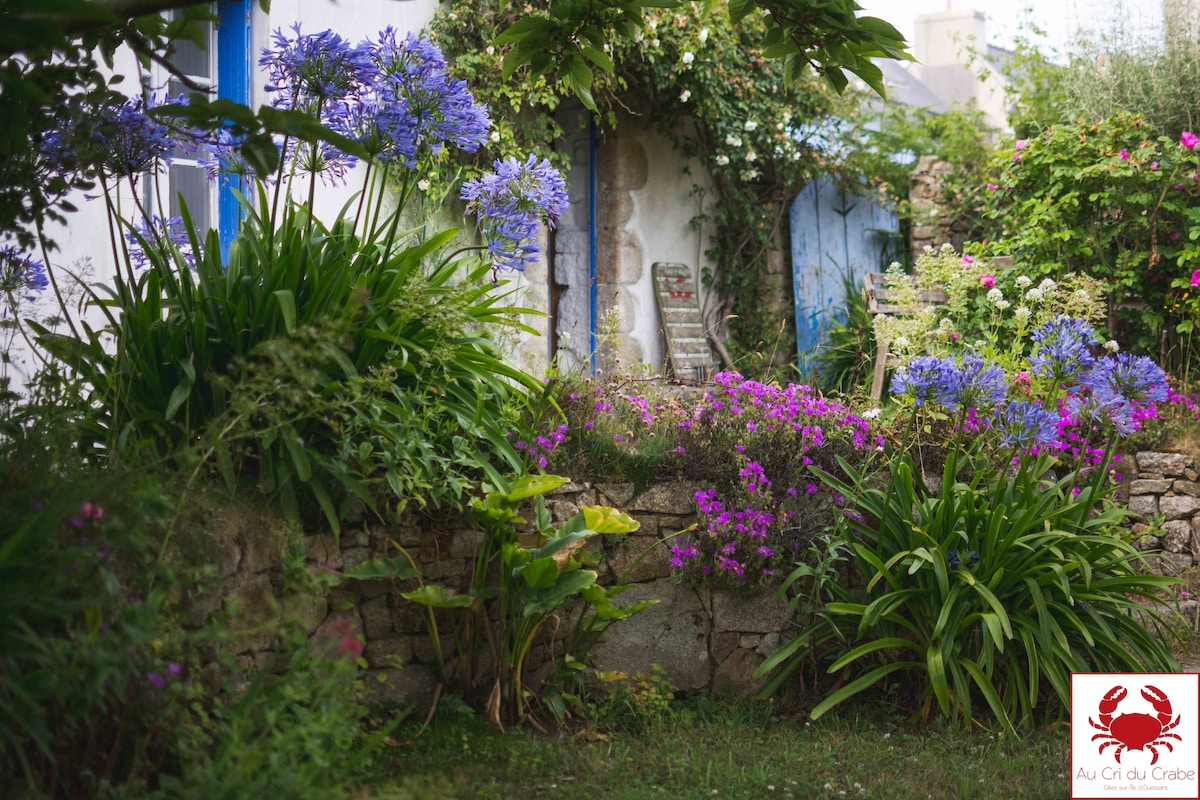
(631, 199)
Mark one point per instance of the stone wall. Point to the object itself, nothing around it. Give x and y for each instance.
(1164, 493)
(929, 227)
(706, 639)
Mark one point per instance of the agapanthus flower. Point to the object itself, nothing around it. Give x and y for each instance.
(1062, 349)
(129, 142)
(164, 237)
(21, 274)
(922, 378)
(314, 71)
(413, 76)
(1137, 378)
(1026, 425)
(511, 203)
(972, 384)
(1099, 407)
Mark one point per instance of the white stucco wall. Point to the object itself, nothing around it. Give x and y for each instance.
(84, 241)
(662, 221)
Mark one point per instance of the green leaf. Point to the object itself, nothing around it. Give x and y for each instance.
(261, 153)
(300, 460)
(549, 599)
(865, 682)
(603, 519)
(533, 485)
(541, 573)
(435, 596)
(287, 306)
(396, 568)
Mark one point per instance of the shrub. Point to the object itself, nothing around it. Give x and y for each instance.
(1006, 577)
(1109, 199)
(264, 361)
(90, 674)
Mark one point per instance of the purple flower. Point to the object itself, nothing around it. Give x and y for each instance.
(974, 384)
(155, 680)
(1062, 349)
(1189, 139)
(129, 142)
(418, 98)
(159, 240)
(511, 203)
(1137, 378)
(1103, 406)
(21, 274)
(311, 72)
(1025, 425)
(921, 379)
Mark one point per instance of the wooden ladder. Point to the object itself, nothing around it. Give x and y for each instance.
(690, 354)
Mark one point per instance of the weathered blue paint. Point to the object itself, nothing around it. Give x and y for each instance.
(233, 83)
(832, 234)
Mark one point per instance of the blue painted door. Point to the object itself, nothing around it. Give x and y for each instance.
(833, 234)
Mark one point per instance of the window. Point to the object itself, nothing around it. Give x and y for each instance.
(186, 181)
(223, 66)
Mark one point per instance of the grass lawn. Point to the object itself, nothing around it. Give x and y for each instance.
(704, 748)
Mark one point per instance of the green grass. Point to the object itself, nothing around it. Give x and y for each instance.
(704, 749)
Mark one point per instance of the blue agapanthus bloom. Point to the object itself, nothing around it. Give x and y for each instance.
(511, 203)
(166, 236)
(1137, 378)
(972, 384)
(923, 379)
(1025, 425)
(392, 96)
(1062, 350)
(428, 107)
(955, 558)
(315, 71)
(1102, 406)
(129, 142)
(20, 274)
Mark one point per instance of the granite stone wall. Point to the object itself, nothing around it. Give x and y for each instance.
(705, 638)
(1164, 494)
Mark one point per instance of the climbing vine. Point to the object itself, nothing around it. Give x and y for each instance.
(709, 86)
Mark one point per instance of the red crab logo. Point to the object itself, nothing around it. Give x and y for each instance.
(1135, 731)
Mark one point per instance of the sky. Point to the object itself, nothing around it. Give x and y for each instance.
(1008, 18)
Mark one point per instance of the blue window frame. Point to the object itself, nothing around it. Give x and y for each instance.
(233, 83)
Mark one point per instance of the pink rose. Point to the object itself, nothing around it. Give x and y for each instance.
(968, 259)
(1153, 165)
(988, 281)
(992, 187)
(1189, 139)
(1021, 144)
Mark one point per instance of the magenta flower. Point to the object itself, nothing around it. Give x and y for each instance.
(1124, 154)
(1196, 278)
(992, 187)
(1021, 144)
(988, 281)
(1189, 139)
(1153, 165)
